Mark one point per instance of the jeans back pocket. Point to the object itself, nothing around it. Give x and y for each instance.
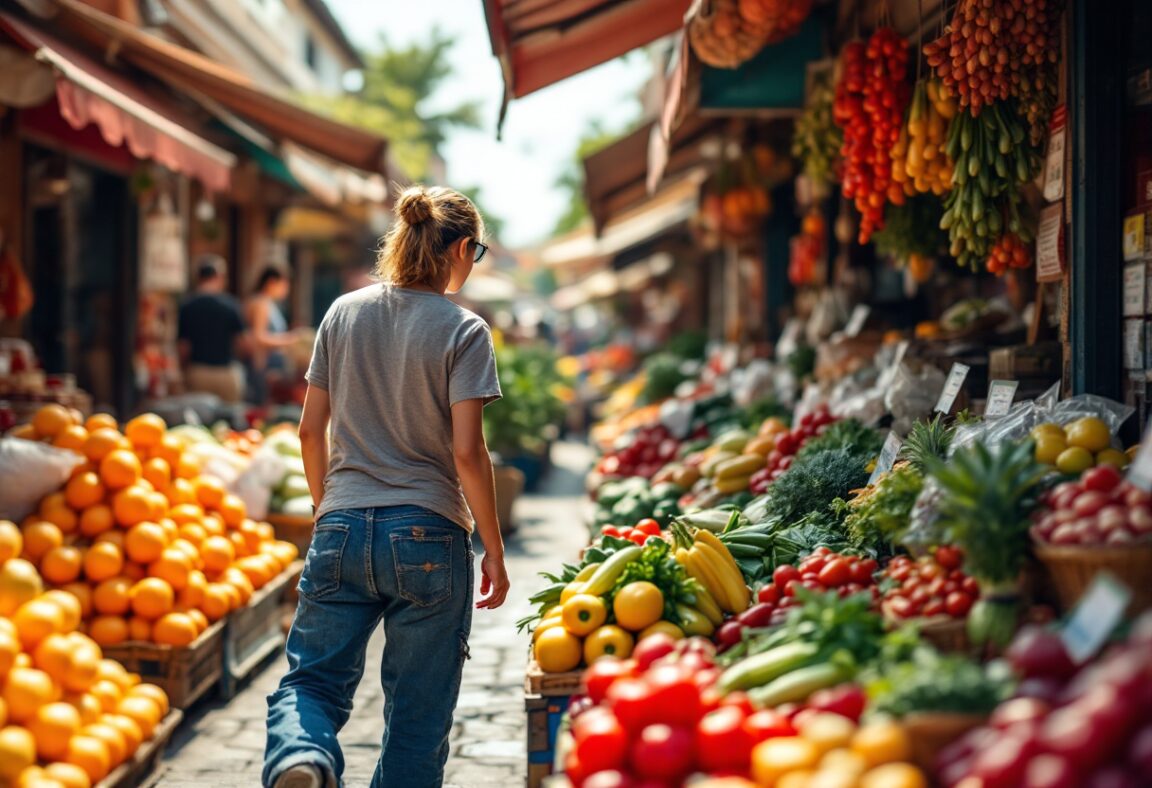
(321, 575)
(423, 561)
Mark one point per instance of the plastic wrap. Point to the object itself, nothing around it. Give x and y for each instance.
(1024, 416)
(31, 470)
(254, 485)
(912, 395)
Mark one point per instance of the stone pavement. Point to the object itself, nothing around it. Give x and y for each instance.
(221, 744)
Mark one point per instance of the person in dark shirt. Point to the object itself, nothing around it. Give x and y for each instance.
(212, 332)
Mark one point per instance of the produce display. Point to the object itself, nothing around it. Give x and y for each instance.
(920, 160)
(817, 139)
(1076, 446)
(1099, 508)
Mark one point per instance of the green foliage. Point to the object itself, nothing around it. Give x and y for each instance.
(913, 228)
(802, 361)
(814, 482)
(664, 374)
(934, 682)
(879, 516)
(571, 180)
(522, 422)
(850, 434)
(927, 440)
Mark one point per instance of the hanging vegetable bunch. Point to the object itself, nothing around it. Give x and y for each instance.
(912, 235)
(817, 139)
(726, 33)
(736, 200)
(920, 160)
(807, 252)
(869, 106)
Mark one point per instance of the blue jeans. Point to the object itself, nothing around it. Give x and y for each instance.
(414, 569)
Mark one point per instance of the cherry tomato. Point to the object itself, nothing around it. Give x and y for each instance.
(813, 563)
(847, 700)
(722, 742)
(949, 557)
(783, 574)
(863, 570)
(741, 701)
(769, 594)
(933, 607)
(602, 674)
(970, 586)
(637, 537)
(787, 444)
(835, 573)
(1102, 478)
(958, 604)
(648, 526)
(729, 634)
(631, 701)
(663, 752)
(901, 607)
(791, 586)
(601, 741)
(900, 573)
(930, 570)
(768, 724)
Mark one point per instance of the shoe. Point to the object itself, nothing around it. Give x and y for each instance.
(303, 775)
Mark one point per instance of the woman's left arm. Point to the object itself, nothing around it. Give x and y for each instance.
(314, 440)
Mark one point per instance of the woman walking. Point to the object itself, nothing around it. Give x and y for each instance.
(399, 378)
(270, 333)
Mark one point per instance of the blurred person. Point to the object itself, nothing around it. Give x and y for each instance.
(211, 334)
(394, 453)
(269, 331)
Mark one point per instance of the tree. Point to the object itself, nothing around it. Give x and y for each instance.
(571, 180)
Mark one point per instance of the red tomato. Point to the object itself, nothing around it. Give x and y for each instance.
(648, 526)
(835, 573)
(930, 570)
(663, 752)
(631, 701)
(651, 649)
(674, 698)
(612, 778)
(575, 770)
(901, 607)
(783, 574)
(1102, 478)
(949, 557)
(958, 604)
(768, 724)
(722, 742)
(602, 674)
(787, 444)
(739, 700)
(710, 698)
(969, 586)
(933, 607)
(610, 530)
(863, 570)
(637, 537)
(601, 741)
(813, 563)
(899, 573)
(729, 634)
(847, 700)
(769, 594)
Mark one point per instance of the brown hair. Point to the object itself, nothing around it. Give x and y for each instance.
(428, 222)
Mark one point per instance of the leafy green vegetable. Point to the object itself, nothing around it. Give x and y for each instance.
(844, 434)
(664, 373)
(879, 516)
(802, 361)
(934, 682)
(814, 482)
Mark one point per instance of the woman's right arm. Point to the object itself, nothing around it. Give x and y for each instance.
(258, 320)
(314, 440)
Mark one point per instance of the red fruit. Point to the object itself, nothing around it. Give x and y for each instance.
(835, 573)
(651, 649)
(863, 570)
(602, 674)
(674, 697)
(768, 724)
(1039, 652)
(630, 700)
(783, 574)
(663, 752)
(729, 634)
(769, 594)
(949, 557)
(847, 700)
(601, 741)
(1089, 503)
(608, 779)
(722, 743)
(759, 615)
(1019, 711)
(1102, 478)
(648, 526)
(957, 604)
(1050, 771)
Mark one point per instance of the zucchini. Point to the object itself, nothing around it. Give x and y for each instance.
(604, 578)
(762, 668)
(798, 685)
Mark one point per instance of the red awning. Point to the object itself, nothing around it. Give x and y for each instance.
(540, 42)
(89, 93)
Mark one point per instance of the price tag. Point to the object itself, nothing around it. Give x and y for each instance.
(884, 382)
(1000, 396)
(952, 388)
(887, 458)
(1134, 276)
(1050, 245)
(1054, 161)
(676, 416)
(857, 320)
(1134, 236)
(1133, 344)
(1095, 617)
(1140, 471)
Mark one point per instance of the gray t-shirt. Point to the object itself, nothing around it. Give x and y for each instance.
(393, 362)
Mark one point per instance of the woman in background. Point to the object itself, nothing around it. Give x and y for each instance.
(269, 331)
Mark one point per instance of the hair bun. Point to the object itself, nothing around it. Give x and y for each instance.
(415, 206)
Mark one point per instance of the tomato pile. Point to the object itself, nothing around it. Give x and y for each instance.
(932, 586)
(870, 101)
(1101, 508)
(1009, 251)
(651, 449)
(786, 445)
(1066, 728)
(637, 534)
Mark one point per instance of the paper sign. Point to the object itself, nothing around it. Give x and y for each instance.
(1133, 344)
(887, 458)
(1095, 617)
(1050, 245)
(857, 321)
(1140, 471)
(1000, 396)
(1054, 161)
(1134, 276)
(888, 376)
(1134, 236)
(952, 388)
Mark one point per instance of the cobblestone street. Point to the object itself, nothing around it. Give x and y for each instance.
(221, 744)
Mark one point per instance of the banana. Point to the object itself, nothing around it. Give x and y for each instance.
(707, 605)
(700, 569)
(735, 591)
(713, 541)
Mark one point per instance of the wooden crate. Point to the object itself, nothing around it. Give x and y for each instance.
(296, 529)
(186, 674)
(537, 682)
(141, 769)
(254, 632)
(545, 718)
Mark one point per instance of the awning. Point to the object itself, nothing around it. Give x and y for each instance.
(309, 224)
(90, 93)
(189, 71)
(605, 284)
(540, 42)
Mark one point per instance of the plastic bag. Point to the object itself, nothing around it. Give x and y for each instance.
(1024, 416)
(912, 395)
(254, 485)
(30, 471)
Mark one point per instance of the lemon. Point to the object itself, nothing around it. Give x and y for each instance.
(1089, 433)
(1047, 428)
(1074, 460)
(1049, 446)
(1112, 457)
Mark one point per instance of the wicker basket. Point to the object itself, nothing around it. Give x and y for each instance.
(1072, 569)
(932, 731)
(946, 634)
(720, 36)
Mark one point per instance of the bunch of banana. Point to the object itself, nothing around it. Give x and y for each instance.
(708, 561)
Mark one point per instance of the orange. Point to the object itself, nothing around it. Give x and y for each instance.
(190, 550)
(245, 588)
(217, 601)
(210, 491)
(108, 693)
(115, 536)
(253, 536)
(23, 659)
(133, 735)
(239, 543)
(145, 485)
(257, 570)
(82, 593)
(185, 513)
(174, 566)
(180, 491)
(17, 752)
(169, 449)
(285, 552)
(103, 561)
(72, 437)
(87, 704)
(24, 432)
(108, 630)
(19, 583)
(192, 594)
(82, 667)
(198, 618)
(116, 741)
(52, 726)
(52, 419)
(218, 553)
(95, 520)
(91, 755)
(266, 532)
(120, 468)
(139, 629)
(69, 775)
(84, 467)
(9, 650)
(171, 530)
(145, 542)
(40, 537)
(70, 606)
(62, 564)
(83, 491)
(146, 430)
(187, 467)
(193, 533)
(11, 540)
(63, 518)
(158, 473)
(25, 691)
(213, 524)
(152, 598)
(132, 505)
(101, 421)
(53, 655)
(159, 505)
(36, 619)
(176, 629)
(101, 442)
(144, 711)
(233, 510)
(155, 694)
(112, 597)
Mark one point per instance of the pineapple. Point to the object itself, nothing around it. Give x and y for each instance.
(927, 439)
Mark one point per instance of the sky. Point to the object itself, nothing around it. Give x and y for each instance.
(516, 175)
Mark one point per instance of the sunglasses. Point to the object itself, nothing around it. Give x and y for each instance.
(481, 250)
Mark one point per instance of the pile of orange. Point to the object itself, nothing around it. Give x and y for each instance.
(154, 549)
(68, 716)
